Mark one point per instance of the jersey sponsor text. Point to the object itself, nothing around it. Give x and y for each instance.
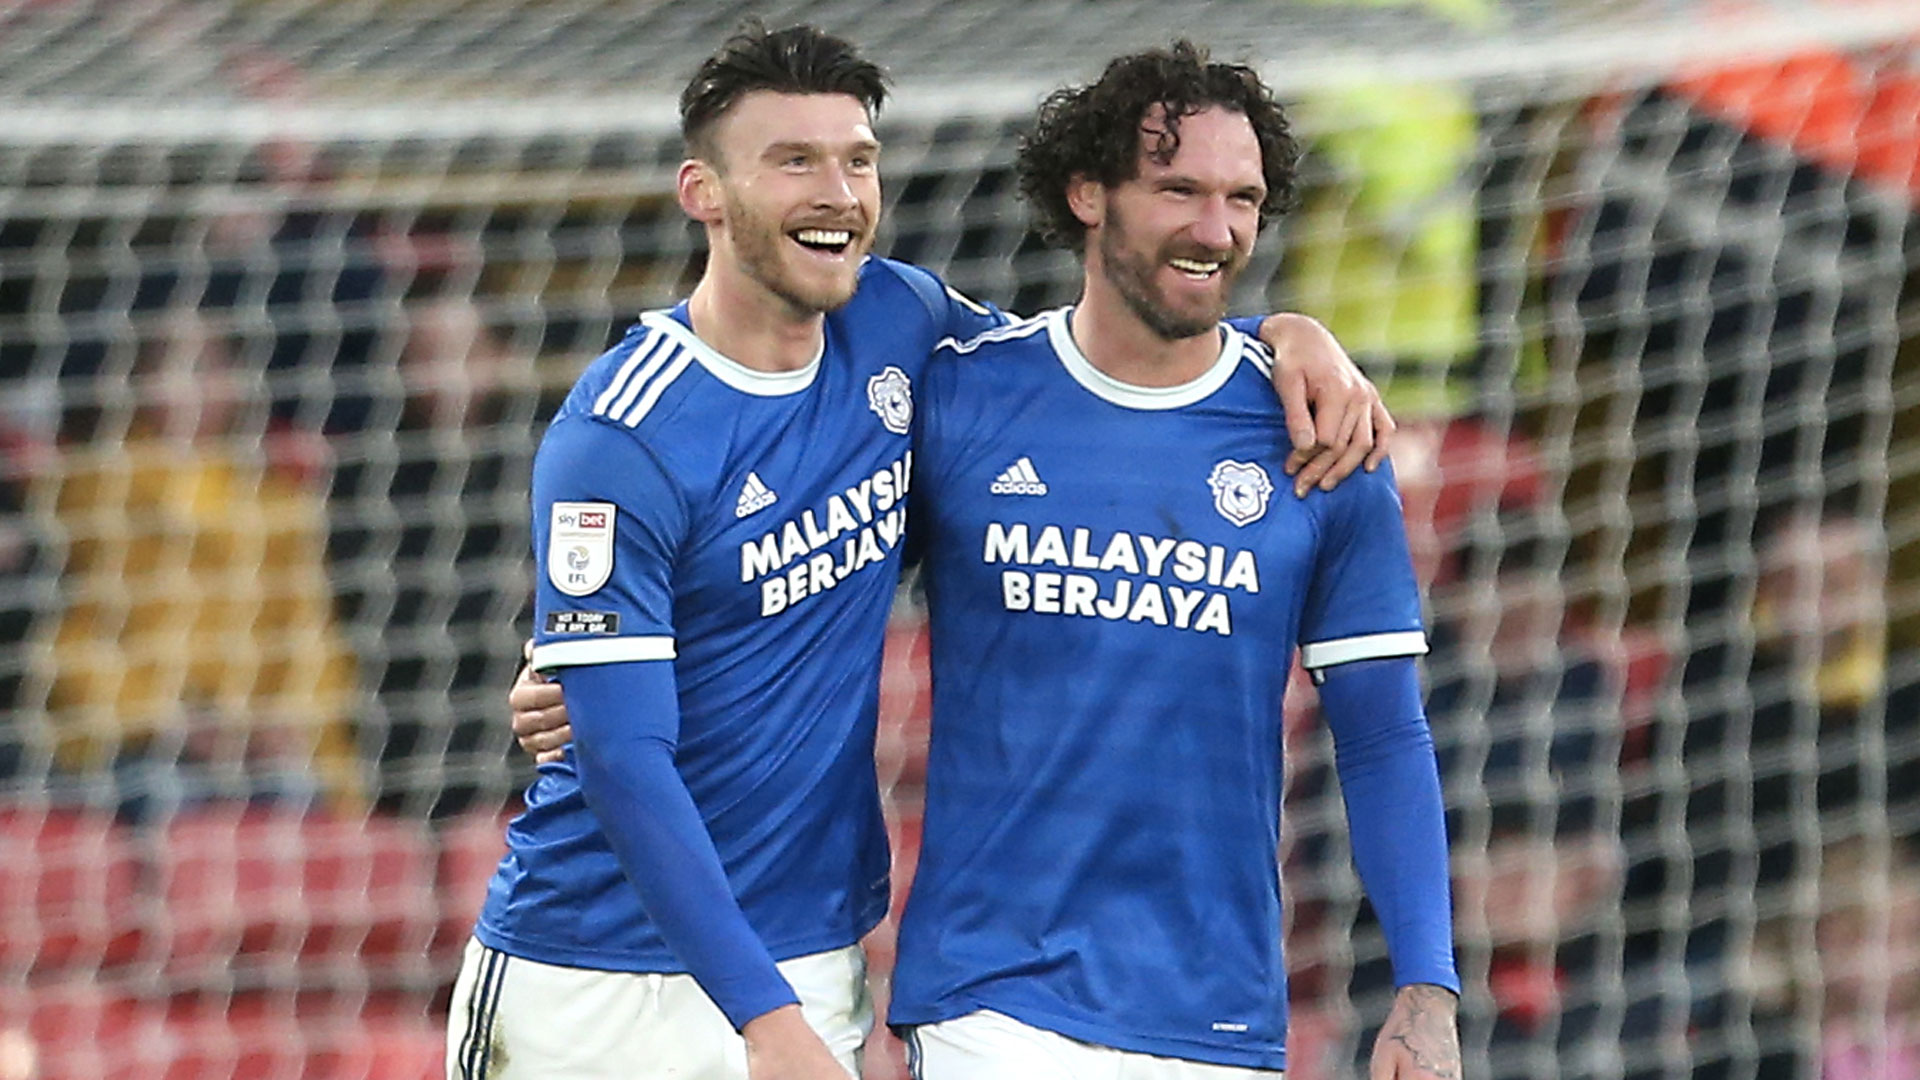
(809, 554)
(1141, 592)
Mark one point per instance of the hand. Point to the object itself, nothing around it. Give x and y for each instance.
(1421, 1038)
(1346, 423)
(539, 716)
(780, 1046)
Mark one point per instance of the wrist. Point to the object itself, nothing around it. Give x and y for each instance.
(1430, 994)
(774, 1024)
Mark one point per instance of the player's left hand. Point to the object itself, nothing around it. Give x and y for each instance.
(1421, 1038)
(539, 716)
(1335, 418)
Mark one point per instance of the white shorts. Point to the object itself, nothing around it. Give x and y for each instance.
(990, 1046)
(515, 1019)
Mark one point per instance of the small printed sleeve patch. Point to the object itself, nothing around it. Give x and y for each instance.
(583, 622)
(580, 546)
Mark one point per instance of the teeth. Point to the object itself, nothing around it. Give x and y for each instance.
(827, 237)
(1195, 266)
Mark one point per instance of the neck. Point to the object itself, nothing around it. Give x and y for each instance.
(744, 321)
(1120, 346)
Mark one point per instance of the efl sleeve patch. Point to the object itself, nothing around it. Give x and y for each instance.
(583, 622)
(580, 546)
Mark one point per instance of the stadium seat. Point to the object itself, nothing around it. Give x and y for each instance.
(230, 1041)
(906, 708)
(371, 883)
(284, 1036)
(75, 1030)
(402, 1039)
(470, 849)
(300, 898)
(67, 891)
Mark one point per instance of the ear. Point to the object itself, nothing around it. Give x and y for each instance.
(698, 189)
(1087, 198)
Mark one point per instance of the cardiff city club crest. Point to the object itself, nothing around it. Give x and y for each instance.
(1240, 491)
(890, 396)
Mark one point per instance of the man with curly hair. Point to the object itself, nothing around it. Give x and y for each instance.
(1110, 578)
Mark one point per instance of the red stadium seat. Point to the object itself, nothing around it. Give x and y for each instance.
(470, 849)
(78, 1031)
(371, 884)
(67, 891)
(280, 1036)
(294, 895)
(233, 1042)
(402, 1037)
(906, 705)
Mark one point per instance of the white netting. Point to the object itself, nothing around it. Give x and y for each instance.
(286, 287)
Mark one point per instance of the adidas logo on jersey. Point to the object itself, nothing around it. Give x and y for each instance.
(1020, 479)
(755, 496)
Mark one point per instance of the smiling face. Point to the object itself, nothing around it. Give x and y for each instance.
(792, 196)
(1171, 240)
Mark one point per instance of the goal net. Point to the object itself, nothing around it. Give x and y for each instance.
(287, 288)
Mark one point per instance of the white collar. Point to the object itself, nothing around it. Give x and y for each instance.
(1127, 395)
(733, 372)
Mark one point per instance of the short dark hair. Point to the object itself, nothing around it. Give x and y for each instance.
(796, 60)
(1094, 130)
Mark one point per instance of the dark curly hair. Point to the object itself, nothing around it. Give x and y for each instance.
(1094, 130)
(796, 60)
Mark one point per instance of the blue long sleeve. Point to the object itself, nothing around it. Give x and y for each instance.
(626, 725)
(1384, 754)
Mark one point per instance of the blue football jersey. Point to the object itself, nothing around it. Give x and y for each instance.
(1117, 579)
(746, 526)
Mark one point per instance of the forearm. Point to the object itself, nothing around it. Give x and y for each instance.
(628, 778)
(1395, 813)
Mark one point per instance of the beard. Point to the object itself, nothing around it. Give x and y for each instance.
(1132, 276)
(760, 246)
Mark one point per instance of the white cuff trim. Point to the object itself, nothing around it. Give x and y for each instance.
(1323, 654)
(613, 650)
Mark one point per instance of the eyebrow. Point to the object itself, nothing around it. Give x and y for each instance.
(1194, 181)
(790, 145)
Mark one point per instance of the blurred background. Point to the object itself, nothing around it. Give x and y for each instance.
(287, 288)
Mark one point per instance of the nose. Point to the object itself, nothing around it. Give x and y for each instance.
(835, 190)
(1213, 228)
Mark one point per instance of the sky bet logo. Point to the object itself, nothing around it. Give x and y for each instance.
(580, 547)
